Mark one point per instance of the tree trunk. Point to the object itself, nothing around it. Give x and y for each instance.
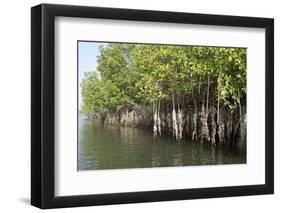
(207, 111)
(229, 128)
(174, 120)
(207, 101)
(194, 119)
(213, 125)
(242, 127)
(199, 86)
(187, 125)
(154, 109)
(204, 136)
(220, 124)
(221, 121)
(180, 122)
(158, 118)
(218, 109)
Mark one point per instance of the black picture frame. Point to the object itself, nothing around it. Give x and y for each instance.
(43, 105)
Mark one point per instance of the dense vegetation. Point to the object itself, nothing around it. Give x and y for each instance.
(188, 92)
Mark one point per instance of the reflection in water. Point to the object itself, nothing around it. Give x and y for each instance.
(112, 147)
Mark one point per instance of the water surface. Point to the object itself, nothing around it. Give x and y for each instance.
(113, 147)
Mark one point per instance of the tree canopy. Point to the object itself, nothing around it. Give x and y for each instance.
(139, 74)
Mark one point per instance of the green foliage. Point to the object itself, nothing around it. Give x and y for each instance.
(232, 76)
(139, 74)
(101, 95)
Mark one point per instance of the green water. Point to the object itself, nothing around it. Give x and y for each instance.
(112, 147)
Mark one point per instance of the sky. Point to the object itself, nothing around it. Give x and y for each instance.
(87, 60)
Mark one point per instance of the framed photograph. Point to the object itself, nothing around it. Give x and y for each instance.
(139, 106)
